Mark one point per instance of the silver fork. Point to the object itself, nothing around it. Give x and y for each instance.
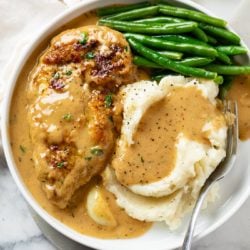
(220, 172)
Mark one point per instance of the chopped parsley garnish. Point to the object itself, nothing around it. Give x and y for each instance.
(68, 72)
(108, 100)
(88, 158)
(22, 148)
(56, 75)
(68, 117)
(60, 164)
(90, 55)
(96, 151)
(84, 38)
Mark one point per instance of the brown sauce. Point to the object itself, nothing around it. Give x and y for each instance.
(75, 216)
(152, 156)
(240, 92)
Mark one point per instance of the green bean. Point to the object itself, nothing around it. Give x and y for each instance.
(200, 34)
(135, 13)
(160, 19)
(174, 28)
(182, 39)
(222, 33)
(192, 62)
(191, 14)
(232, 50)
(211, 40)
(189, 48)
(117, 9)
(219, 79)
(196, 61)
(229, 70)
(167, 63)
(224, 58)
(171, 55)
(141, 61)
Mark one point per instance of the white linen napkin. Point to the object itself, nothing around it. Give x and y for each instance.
(20, 21)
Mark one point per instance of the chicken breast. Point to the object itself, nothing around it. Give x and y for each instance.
(70, 109)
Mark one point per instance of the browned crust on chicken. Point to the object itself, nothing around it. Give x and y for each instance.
(104, 55)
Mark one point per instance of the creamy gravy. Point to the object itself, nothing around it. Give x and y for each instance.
(240, 91)
(74, 216)
(153, 155)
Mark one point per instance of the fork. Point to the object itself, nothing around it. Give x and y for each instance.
(219, 173)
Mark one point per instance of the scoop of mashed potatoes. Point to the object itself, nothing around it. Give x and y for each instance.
(172, 138)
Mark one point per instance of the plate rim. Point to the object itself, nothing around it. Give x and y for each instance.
(55, 23)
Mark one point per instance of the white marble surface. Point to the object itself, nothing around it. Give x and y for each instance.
(17, 229)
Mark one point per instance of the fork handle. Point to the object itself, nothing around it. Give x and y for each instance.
(189, 234)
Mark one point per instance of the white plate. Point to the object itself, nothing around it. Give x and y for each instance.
(234, 189)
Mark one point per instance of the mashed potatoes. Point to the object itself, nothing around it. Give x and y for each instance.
(172, 138)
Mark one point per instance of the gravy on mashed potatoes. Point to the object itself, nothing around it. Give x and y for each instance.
(172, 138)
(183, 111)
(101, 150)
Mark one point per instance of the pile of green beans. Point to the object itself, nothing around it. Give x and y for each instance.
(177, 40)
